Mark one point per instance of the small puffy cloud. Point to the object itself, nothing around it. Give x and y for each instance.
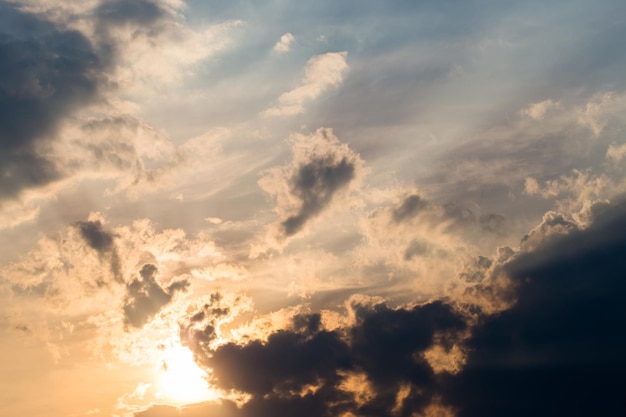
(145, 296)
(101, 241)
(321, 169)
(95, 236)
(323, 72)
(315, 184)
(284, 44)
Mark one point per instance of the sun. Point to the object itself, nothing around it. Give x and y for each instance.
(180, 380)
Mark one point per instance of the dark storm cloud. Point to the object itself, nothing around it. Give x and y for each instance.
(102, 242)
(145, 297)
(560, 349)
(45, 74)
(287, 362)
(385, 344)
(314, 184)
(557, 350)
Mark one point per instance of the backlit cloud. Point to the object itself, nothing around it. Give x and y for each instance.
(392, 361)
(316, 209)
(145, 296)
(321, 169)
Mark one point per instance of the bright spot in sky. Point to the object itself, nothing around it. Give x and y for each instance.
(181, 380)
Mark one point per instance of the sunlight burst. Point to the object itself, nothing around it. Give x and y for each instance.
(181, 380)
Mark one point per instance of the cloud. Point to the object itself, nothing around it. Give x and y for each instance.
(284, 44)
(541, 355)
(600, 110)
(153, 47)
(102, 242)
(616, 152)
(476, 270)
(320, 170)
(46, 73)
(201, 328)
(409, 207)
(315, 184)
(492, 222)
(145, 297)
(394, 110)
(95, 236)
(323, 72)
(558, 329)
(311, 371)
(61, 67)
(538, 110)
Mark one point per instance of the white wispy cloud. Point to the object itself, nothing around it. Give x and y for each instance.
(323, 72)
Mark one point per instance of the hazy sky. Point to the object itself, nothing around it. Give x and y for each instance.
(327, 209)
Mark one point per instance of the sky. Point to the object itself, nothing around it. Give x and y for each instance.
(327, 209)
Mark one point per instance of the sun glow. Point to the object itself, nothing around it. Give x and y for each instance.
(181, 380)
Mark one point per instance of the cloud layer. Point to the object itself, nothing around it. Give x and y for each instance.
(311, 208)
(536, 356)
